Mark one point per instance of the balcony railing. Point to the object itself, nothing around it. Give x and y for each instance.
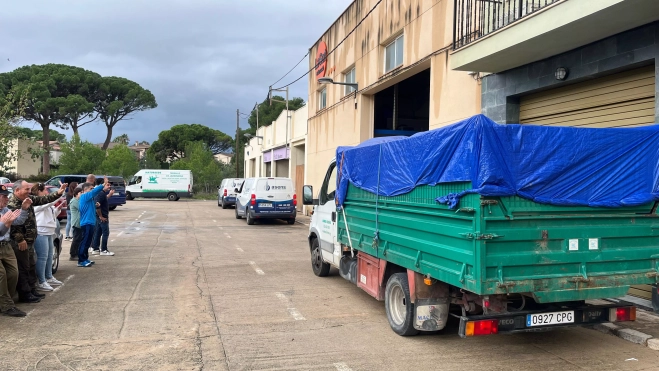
(474, 19)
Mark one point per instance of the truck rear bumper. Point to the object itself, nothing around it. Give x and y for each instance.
(533, 321)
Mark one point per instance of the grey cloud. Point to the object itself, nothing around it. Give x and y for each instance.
(202, 59)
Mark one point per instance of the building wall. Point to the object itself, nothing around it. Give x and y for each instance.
(24, 166)
(633, 48)
(427, 26)
(274, 137)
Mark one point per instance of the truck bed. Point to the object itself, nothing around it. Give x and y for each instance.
(498, 245)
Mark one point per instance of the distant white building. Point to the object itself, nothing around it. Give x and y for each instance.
(223, 157)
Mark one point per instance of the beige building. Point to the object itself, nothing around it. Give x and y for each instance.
(139, 149)
(23, 165)
(224, 158)
(399, 57)
(267, 154)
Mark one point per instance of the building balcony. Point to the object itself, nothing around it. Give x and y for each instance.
(497, 35)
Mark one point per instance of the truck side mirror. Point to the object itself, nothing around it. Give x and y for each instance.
(307, 196)
(237, 190)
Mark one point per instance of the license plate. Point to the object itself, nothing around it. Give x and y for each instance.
(545, 319)
(265, 205)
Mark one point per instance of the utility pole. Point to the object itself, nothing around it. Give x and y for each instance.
(237, 139)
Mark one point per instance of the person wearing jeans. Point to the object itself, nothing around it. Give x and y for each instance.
(69, 197)
(87, 207)
(102, 229)
(75, 224)
(44, 244)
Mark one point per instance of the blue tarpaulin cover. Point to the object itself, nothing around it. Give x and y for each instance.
(551, 165)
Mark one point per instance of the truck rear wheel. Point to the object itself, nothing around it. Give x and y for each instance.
(129, 197)
(320, 268)
(399, 308)
(171, 196)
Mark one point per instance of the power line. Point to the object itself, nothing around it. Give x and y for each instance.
(291, 70)
(337, 45)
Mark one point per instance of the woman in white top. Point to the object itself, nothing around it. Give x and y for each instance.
(46, 216)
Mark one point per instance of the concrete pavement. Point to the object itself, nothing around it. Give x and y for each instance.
(193, 288)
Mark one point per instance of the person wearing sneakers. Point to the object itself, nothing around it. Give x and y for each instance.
(8, 264)
(102, 228)
(24, 236)
(87, 206)
(69, 197)
(75, 223)
(44, 245)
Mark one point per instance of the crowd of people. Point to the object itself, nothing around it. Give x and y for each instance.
(28, 223)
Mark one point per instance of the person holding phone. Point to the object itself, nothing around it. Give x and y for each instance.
(44, 245)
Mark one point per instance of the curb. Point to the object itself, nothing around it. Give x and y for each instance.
(630, 335)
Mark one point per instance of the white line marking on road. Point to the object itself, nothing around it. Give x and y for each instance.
(214, 221)
(341, 366)
(63, 283)
(227, 235)
(291, 310)
(26, 315)
(295, 314)
(239, 249)
(120, 233)
(111, 240)
(257, 269)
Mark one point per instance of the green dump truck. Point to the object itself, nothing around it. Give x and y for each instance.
(498, 264)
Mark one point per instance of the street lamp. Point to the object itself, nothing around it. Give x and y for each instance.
(329, 80)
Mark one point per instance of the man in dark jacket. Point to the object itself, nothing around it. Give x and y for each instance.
(24, 236)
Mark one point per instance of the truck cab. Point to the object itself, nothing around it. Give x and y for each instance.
(325, 248)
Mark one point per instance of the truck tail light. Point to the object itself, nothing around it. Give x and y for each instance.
(294, 199)
(225, 193)
(485, 327)
(622, 314)
(253, 202)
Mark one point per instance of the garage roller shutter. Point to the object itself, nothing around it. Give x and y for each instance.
(622, 100)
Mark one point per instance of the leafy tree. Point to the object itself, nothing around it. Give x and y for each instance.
(38, 134)
(122, 139)
(269, 113)
(120, 160)
(9, 131)
(206, 172)
(149, 161)
(78, 111)
(44, 90)
(80, 157)
(119, 97)
(172, 143)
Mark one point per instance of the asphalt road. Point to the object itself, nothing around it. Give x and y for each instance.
(193, 288)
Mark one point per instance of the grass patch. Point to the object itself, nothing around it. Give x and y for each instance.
(205, 196)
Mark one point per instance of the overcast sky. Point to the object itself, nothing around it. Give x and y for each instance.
(202, 59)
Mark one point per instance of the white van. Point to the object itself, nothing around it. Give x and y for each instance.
(266, 198)
(170, 184)
(226, 192)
